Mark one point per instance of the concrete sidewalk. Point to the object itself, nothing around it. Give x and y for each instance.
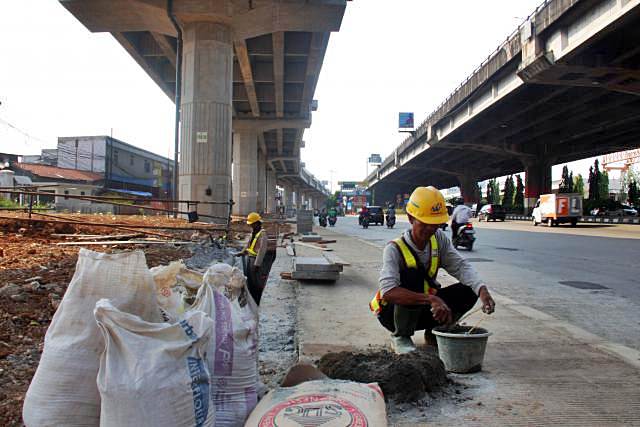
(538, 370)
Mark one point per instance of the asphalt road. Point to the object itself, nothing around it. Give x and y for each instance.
(588, 275)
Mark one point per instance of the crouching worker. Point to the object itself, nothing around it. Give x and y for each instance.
(259, 259)
(409, 298)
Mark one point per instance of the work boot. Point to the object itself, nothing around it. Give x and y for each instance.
(403, 345)
(430, 339)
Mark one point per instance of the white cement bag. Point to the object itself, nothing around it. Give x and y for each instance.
(326, 403)
(63, 391)
(234, 345)
(169, 300)
(154, 374)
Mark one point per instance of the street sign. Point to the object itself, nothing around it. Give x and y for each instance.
(406, 121)
(375, 159)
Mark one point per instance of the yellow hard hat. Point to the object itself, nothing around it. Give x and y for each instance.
(253, 217)
(427, 205)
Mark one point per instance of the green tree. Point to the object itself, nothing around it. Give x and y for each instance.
(507, 198)
(603, 185)
(518, 199)
(578, 185)
(489, 191)
(595, 177)
(564, 182)
(634, 193)
(496, 192)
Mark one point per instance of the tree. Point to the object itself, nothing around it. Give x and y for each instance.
(634, 193)
(578, 185)
(507, 199)
(496, 191)
(490, 191)
(595, 179)
(603, 185)
(518, 199)
(564, 182)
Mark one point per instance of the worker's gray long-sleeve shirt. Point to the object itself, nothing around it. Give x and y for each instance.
(260, 248)
(450, 260)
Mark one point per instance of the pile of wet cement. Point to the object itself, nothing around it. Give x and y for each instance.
(403, 378)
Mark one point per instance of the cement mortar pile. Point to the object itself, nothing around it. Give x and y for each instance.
(403, 378)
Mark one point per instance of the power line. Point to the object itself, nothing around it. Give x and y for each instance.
(23, 133)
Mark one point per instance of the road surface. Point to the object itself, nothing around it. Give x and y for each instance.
(588, 275)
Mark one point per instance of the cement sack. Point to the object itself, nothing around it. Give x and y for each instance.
(324, 403)
(169, 299)
(63, 391)
(154, 374)
(234, 345)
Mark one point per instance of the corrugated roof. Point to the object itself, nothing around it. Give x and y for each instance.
(55, 173)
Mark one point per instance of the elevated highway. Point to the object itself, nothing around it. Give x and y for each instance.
(564, 86)
(249, 69)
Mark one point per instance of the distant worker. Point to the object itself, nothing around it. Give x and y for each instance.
(259, 257)
(460, 217)
(409, 297)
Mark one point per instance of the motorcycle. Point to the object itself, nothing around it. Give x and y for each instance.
(391, 220)
(332, 221)
(322, 220)
(364, 221)
(465, 237)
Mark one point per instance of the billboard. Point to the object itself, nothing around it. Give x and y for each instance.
(406, 121)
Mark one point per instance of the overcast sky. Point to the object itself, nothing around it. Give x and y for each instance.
(57, 79)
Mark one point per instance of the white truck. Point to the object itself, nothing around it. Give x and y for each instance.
(556, 209)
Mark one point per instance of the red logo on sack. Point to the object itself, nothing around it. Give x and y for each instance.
(315, 410)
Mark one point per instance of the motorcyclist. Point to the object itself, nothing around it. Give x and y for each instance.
(322, 217)
(391, 211)
(459, 218)
(364, 213)
(333, 215)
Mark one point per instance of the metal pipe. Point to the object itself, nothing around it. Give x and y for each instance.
(178, 100)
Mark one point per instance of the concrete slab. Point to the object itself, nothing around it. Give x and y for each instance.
(315, 275)
(314, 264)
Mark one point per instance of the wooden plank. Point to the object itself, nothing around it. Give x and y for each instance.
(308, 245)
(286, 275)
(324, 242)
(124, 242)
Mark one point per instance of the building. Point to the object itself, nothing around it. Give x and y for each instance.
(123, 167)
(60, 183)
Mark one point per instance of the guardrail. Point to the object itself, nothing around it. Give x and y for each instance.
(591, 219)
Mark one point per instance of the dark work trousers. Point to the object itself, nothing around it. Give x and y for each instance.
(257, 277)
(455, 226)
(404, 320)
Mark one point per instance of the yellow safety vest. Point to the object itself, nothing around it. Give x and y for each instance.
(252, 246)
(411, 262)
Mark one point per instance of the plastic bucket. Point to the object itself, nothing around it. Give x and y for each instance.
(461, 353)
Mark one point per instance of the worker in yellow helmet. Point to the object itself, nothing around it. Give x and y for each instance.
(410, 298)
(260, 257)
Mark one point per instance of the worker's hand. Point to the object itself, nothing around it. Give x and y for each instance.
(441, 312)
(488, 305)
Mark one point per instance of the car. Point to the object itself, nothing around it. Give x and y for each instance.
(491, 212)
(619, 210)
(376, 215)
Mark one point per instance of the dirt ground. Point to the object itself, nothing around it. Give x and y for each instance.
(35, 272)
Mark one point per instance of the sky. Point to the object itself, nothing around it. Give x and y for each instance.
(58, 79)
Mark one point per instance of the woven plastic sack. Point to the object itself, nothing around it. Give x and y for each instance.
(154, 374)
(63, 391)
(233, 365)
(321, 403)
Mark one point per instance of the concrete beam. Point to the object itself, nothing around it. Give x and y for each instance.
(280, 141)
(278, 71)
(166, 47)
(317, 50)
(263, 125)
(245, 68)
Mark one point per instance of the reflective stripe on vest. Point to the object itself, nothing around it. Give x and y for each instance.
(251, 247)
(410, 261)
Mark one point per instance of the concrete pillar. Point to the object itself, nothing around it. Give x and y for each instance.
(205, 150)
(245, 172)
(261, 204)
(299, 198)
(468, 187)
(290, 201)
(537, 181)
(271, 191)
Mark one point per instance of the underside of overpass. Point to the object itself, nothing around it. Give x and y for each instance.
(584, 104)
(249, 72)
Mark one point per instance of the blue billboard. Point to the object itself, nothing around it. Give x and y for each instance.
(406, 121)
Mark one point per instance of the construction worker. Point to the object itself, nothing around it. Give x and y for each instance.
(409, 297)
(259, 257)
